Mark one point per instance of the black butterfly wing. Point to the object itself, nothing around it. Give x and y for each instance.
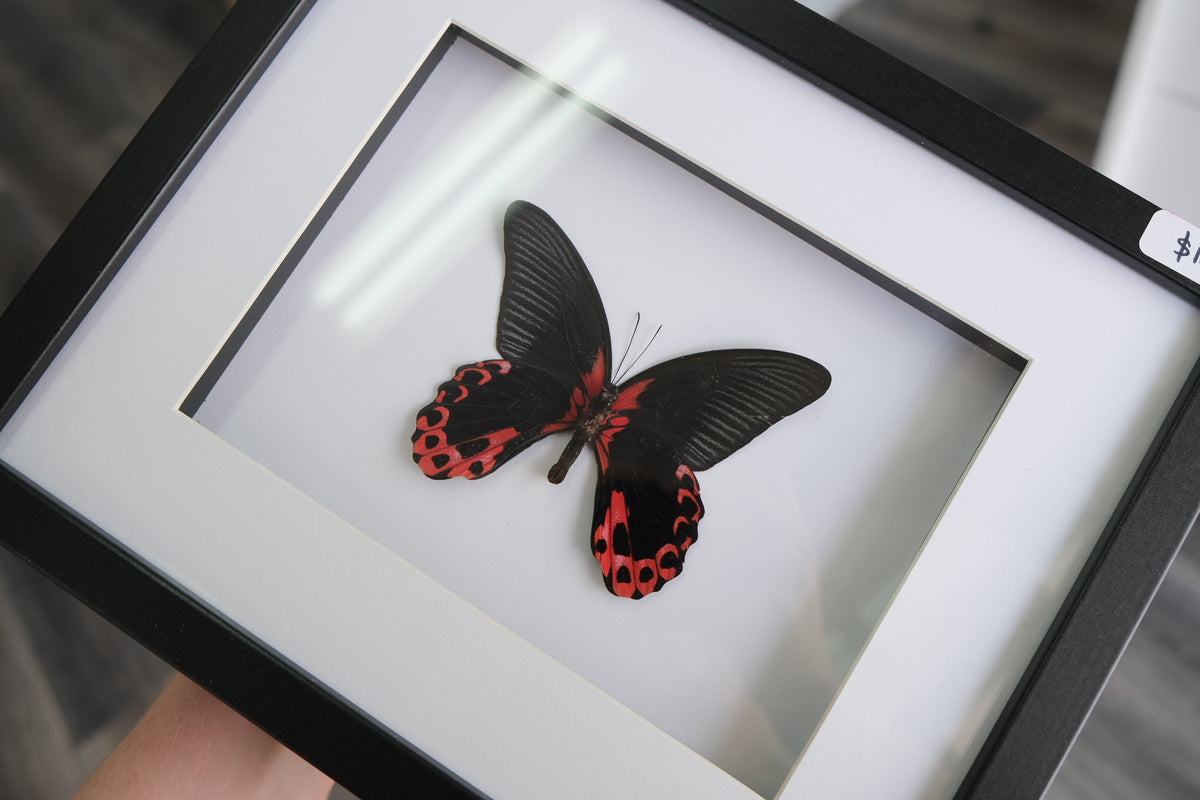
(676, 418)
(486, 414)
(709, 405)
(554, 342)
(647, 510)
(551, 316)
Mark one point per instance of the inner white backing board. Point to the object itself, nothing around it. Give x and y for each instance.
(808, 530)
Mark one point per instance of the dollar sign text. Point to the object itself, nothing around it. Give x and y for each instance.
(1184, 246)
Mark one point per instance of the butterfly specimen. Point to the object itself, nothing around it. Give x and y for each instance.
(650, 434)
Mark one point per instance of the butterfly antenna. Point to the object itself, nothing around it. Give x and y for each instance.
(641, 353)
(636, 321)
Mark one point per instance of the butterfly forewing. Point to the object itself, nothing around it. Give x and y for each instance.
(551, 316)
(709, 405)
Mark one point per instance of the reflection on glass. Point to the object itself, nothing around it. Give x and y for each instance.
(808, 531)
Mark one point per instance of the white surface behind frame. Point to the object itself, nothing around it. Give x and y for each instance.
(1109, 351)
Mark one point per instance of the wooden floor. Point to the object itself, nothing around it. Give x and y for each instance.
(77, 77)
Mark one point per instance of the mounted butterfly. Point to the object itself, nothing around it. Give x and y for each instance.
(650, 434)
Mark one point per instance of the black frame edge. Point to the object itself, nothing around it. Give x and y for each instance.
(1039, 722)
(935, 116)
(293, 708)
(1094, 625)
(316, 723)
(78, 262)
(309, 719)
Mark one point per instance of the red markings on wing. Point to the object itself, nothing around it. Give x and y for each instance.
(612, 425)
(425, 422)
(594, 381)
(687, 494)
(612, 541)
(579, 405)
(582, 396)
(615, 422)
(616, 515)
(482, 372)
(468, 377)
(628, 398)
(473, 458)
(433, 451)
(623, 575)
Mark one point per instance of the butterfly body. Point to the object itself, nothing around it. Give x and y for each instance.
(649, 434)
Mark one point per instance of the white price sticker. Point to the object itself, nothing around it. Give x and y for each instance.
(1173, 241)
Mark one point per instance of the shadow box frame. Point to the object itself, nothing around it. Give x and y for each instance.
(985, 657)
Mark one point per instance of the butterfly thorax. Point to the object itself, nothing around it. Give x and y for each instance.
(589, 420)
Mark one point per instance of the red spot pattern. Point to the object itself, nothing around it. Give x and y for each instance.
(434, 453)
(438, 458)
(472, 375)
(482, 372)
(425, 423)
(617, 514)
(685, 525)
(626, 576)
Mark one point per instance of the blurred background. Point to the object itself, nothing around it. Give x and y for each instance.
(78, 78)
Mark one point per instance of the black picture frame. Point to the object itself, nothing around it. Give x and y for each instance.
(1039, 721)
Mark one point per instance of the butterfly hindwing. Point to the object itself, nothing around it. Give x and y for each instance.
(486, 414)
(646, 513)
(665, 424)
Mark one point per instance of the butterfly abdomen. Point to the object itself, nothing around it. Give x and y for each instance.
(587, 418)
